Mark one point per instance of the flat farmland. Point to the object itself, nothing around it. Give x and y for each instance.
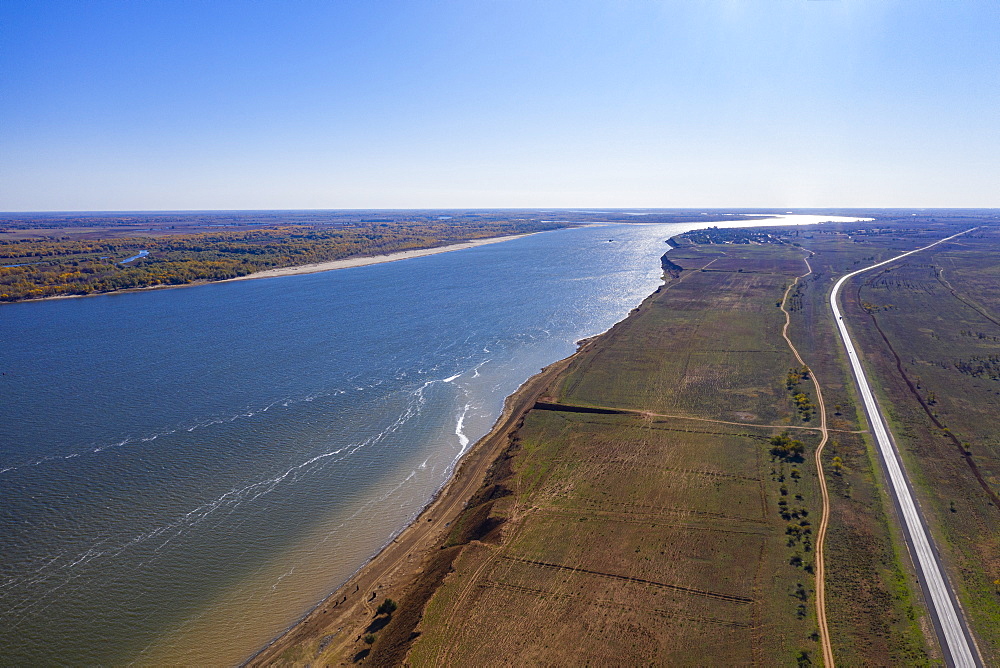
(711, 350)
(632, 540)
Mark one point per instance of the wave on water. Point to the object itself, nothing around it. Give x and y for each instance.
(282, 577)
(19, 594)
(462, 438)
(205, 423)
(189, 427)
(475, 370)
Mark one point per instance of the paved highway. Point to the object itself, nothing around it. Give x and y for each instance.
(955, 639)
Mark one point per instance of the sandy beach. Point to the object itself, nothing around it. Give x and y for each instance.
(374, 259)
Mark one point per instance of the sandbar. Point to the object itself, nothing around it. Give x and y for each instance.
(350, 262)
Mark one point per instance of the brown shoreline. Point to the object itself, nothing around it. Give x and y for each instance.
(343, 616)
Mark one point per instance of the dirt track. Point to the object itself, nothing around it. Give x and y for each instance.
(824, 632)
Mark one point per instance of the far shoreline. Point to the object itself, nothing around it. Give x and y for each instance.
(297, 270)
(363, 261)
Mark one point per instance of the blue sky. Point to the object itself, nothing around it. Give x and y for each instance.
(498, 103)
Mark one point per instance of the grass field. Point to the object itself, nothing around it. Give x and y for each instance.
(634, 541)
(935, 312)
(874, 605)
(931, 329)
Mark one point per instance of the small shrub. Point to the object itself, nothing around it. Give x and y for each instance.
(387, 607)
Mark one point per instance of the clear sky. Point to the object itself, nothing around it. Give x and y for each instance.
(135, 105)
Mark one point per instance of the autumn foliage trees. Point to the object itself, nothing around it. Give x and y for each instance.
(785, 447)
(35, 268)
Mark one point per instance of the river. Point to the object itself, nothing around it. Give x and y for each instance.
(184, 473)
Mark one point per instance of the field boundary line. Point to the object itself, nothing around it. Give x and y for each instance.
(731, 598)
(604, 603)
(968, 302)
(608, 410)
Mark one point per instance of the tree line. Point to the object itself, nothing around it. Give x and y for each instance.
(32, 269)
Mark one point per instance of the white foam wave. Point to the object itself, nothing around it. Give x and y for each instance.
(475, 370)
(149, 438)
(282, 577)
(462, 438)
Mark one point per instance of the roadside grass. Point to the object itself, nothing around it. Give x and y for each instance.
(939, 314)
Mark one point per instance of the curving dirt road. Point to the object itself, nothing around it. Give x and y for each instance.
(824, 632)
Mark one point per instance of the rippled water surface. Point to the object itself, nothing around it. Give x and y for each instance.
(184, 473)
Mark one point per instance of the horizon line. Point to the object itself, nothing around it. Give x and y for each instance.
(578, 209)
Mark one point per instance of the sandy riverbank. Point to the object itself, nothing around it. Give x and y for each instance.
(374, 259)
